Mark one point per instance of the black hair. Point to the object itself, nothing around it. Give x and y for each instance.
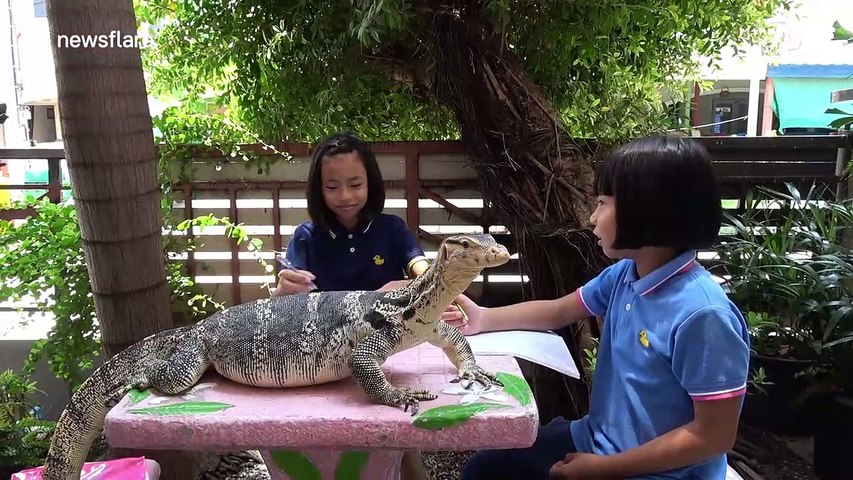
(666, 193)
(343, 142)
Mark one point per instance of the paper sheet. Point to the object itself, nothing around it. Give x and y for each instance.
(544, 348)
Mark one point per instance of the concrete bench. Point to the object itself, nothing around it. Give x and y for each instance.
(334, 430)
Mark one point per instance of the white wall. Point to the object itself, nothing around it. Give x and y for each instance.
(44, 128)
(37, 66)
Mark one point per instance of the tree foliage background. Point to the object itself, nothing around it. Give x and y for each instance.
(297, 70)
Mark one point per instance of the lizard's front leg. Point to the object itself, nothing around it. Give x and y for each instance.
(364, 363)
(455, 346)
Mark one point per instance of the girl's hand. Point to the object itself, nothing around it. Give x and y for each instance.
(468, 320)
(579, 466)
(294, 281)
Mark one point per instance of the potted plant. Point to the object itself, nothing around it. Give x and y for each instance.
(24, 437)
(785, 266)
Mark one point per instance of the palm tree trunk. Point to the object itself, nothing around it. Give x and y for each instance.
(113, 165)
(112, 162)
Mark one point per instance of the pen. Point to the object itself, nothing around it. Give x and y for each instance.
(289, 266)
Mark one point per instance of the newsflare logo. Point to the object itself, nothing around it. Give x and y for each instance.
(114, 39)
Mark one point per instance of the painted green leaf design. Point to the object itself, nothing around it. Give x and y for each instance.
(448, 415)
(296, 465)
(184, 408)
(351, 465)
(137, 396)
(517, 387)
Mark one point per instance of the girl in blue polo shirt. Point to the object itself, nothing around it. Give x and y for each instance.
(673, 357)
(348, 244)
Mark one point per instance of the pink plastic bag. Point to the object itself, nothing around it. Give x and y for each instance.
(122, 468)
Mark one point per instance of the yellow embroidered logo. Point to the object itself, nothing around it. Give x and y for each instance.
(644, 338)
(378, 260)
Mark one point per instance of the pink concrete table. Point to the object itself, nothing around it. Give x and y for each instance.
(334, 431)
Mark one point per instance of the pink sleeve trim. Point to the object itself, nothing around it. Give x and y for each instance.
(707, 397)
(580, 297)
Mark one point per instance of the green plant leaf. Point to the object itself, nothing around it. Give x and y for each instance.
(517, 387)
(838, 123)
(296, 465)
(448, 415)
(184, 408)
(137, 396)
(351, 465)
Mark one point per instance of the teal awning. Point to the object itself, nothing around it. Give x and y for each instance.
(800, 102)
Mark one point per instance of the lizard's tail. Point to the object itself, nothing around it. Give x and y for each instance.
(83, 417)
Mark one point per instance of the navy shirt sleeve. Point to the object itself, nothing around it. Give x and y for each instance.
(407, 244)
(297, 249)
(710, 355)
(595, 294)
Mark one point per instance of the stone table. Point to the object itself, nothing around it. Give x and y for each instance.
(334, 430)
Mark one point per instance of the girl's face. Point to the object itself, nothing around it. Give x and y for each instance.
(603, 219)
(344, 186)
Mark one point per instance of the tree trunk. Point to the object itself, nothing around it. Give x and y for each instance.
(112, 162)
(538, 180)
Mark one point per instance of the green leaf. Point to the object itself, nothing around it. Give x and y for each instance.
(296, 465)
(351, 465)
(137, 396)
(448, 415)
(184, 408)
(841, 122)
(517, 387)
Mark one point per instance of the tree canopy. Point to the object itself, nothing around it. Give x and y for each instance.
(298, 69)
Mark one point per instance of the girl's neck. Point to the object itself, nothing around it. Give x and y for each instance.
(649, 259)
(349, 224)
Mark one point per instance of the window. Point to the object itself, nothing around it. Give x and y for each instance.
(40, 8)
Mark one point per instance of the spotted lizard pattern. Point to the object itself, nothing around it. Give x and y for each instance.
(288, 342)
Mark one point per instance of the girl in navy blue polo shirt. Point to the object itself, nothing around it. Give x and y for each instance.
(348, 244)
(673, 356)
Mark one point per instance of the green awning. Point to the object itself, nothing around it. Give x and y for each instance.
(800, 102)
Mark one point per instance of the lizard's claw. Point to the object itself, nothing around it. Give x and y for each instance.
(410, 398)
(475, 373)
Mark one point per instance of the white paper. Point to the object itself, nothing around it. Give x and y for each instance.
(544, 348)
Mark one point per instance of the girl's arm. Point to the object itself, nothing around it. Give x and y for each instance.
(588, 301)
(530, 315)
(418, 267)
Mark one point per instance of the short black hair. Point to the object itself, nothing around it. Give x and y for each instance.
(666, 193)
(343, 142)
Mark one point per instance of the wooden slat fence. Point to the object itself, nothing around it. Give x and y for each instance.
(429, 184)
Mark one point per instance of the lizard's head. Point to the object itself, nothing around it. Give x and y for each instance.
(471, 252)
